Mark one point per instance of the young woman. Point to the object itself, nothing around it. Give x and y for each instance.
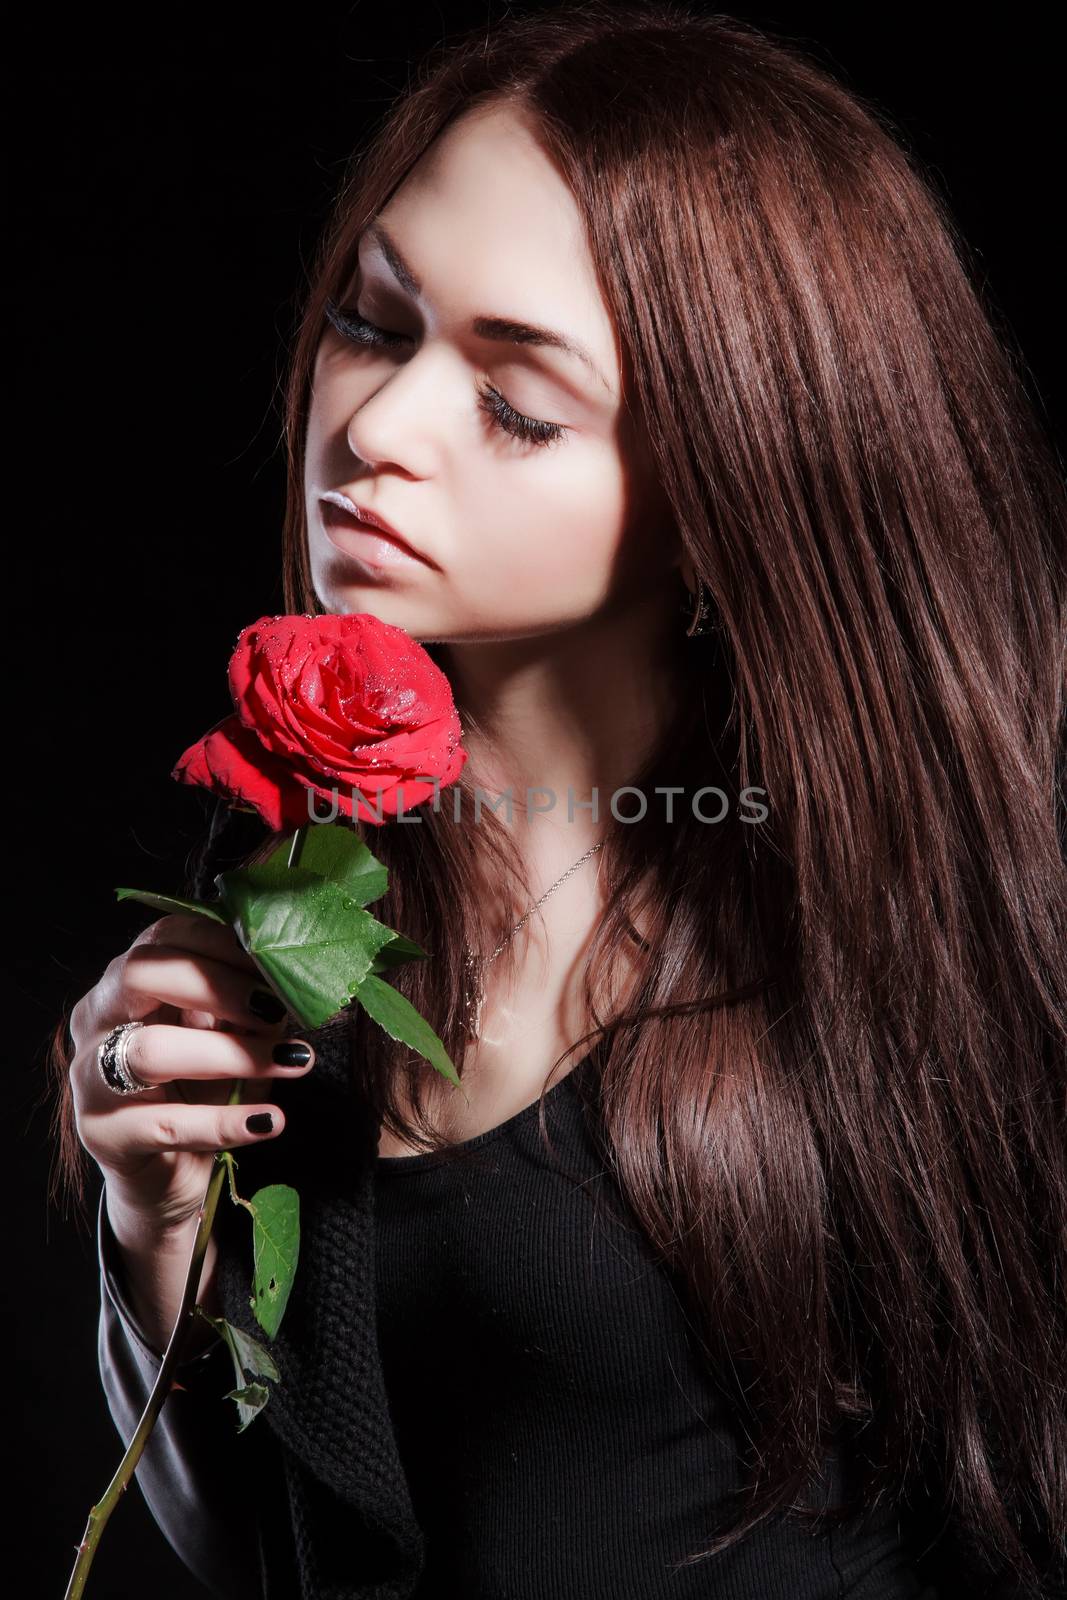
(697, 466)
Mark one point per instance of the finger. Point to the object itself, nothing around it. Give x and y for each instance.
(161, 1053)
(120, 1142)
(200, 938)
(186, 930)
(159, 972)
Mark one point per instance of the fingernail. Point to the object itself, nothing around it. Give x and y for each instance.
(266, 1005)
(291, 1054)
(260, 1122)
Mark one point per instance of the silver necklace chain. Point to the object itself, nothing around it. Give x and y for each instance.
(476, 968)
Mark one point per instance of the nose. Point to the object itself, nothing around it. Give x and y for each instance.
(400, 421)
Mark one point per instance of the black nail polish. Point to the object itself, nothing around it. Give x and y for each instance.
(291, 1054)
(260, 1122)
(266, 1005)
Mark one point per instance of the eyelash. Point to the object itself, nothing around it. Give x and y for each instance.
(350, 325)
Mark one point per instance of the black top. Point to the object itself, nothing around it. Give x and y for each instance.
(489, 1388)
(559, 1433)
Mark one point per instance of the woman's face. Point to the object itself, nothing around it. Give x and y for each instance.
(518, 537)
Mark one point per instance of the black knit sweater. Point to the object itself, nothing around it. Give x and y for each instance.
(346, 1528)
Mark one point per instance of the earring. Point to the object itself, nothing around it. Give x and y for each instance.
(700, 620)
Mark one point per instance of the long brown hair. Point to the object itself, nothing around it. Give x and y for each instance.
(835, 1097)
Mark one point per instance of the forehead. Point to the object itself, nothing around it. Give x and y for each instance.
(490, 227)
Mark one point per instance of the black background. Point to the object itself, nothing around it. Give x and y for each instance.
(171, 172)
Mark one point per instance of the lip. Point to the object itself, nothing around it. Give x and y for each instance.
(365, 535)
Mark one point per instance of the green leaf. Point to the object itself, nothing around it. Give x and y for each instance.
(170, 902)
(309, 939)
(250, 1402)
(275, 1251)
(332, 850)
(396, 952)
(398, 1017)
(249, 1356)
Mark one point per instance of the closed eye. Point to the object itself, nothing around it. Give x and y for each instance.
(530, 430)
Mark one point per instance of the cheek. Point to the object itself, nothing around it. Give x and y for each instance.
(554, 521)
(325, 413)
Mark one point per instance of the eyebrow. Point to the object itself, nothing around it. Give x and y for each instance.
(501, 328)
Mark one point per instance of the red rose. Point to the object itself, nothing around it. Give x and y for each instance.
(329, 703)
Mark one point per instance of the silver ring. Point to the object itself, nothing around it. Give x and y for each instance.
(111, 1059)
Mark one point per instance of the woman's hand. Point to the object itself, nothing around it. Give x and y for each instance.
(188, 979)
